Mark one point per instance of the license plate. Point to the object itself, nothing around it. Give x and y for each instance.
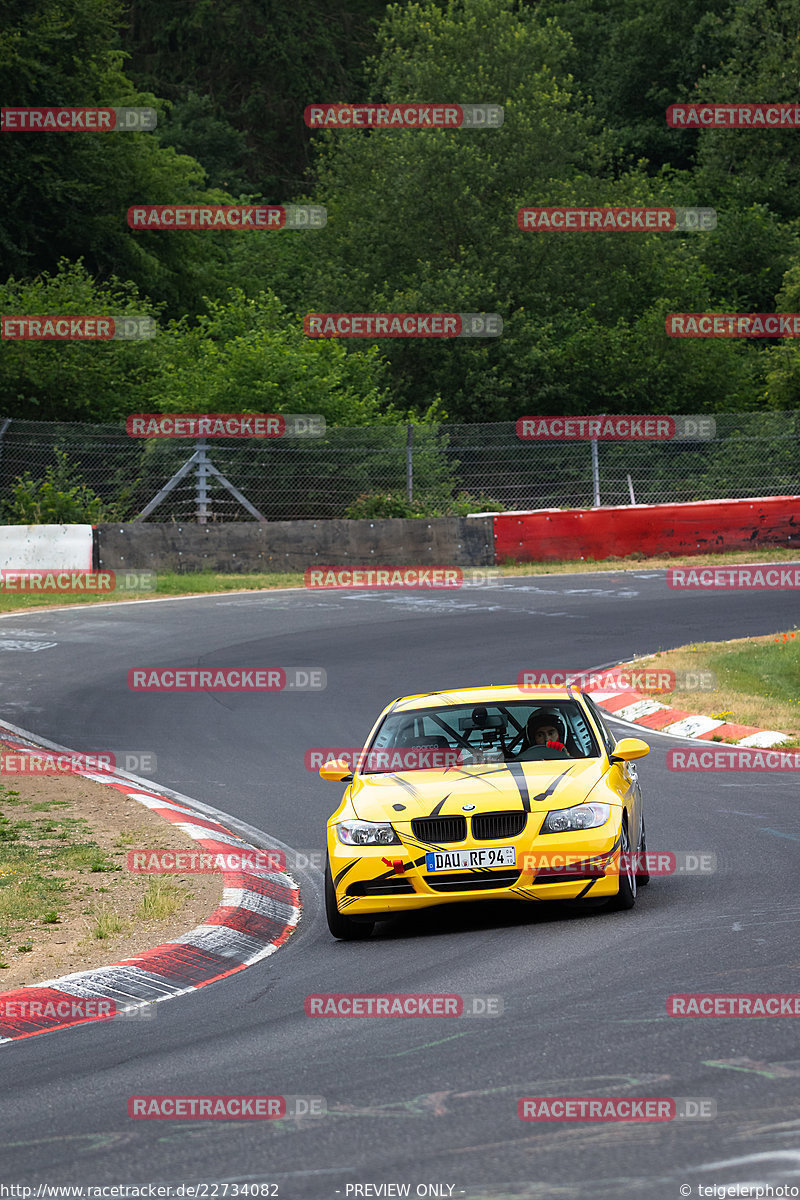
(470, 860)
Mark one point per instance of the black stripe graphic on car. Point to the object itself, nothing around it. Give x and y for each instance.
(552, 787)
(592, 882)
(518, 775)
(483, 777)
(403, 783)
(415, 862)
(344, 871)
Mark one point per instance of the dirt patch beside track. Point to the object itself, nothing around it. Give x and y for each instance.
(67, 900)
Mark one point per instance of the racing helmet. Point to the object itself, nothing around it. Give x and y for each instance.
(544, 717)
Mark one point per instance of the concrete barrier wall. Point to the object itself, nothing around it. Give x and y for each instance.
(46, 547)
(294, 545)
(708, 526)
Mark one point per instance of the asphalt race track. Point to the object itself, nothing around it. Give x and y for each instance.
(422, 1102)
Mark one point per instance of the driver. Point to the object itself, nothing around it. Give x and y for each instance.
(545, 729)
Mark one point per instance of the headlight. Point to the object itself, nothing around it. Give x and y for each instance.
(582, 816)
(366, 833)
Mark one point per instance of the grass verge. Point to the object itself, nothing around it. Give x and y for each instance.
(756, 680)
(67, 899)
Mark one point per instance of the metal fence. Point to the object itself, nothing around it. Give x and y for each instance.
(752, 454)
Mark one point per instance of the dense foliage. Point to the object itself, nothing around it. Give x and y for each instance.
(417, 221)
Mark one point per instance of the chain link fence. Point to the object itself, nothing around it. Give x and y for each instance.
(292, 478)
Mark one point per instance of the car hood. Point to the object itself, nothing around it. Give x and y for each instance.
(497, 787)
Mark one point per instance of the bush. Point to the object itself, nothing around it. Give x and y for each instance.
(61, 498)
(389, 504)
(383, 504)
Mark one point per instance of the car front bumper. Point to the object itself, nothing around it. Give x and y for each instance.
(391, 879)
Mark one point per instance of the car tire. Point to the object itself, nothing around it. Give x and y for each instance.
(344, 928)
(626, 896)
(643, 877)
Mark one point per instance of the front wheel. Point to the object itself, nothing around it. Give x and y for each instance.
(642, 876)
(626, 896)
(344, 928)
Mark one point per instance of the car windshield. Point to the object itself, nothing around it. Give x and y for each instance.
(469, 734)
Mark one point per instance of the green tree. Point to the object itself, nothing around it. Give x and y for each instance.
(783, 359)
(66, 195)
(422, 221)
(635, 60)
(193, 126)
(248, 68)
(760, 63)
(250, 355)
(75, 381)
(245, 355)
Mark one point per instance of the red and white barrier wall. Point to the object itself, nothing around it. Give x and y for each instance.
(705, 527)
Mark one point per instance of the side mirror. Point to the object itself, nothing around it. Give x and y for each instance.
(628, 749)
(337, 770)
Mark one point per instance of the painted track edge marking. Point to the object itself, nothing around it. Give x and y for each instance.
(140, 790)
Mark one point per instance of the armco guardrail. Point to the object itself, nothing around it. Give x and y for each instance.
(705, 527)
(294, 545)
(46, 547)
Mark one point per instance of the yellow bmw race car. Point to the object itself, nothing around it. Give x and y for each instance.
(484, 793)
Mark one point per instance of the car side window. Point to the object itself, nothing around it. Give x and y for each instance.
(608, 738)
(581, 733)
